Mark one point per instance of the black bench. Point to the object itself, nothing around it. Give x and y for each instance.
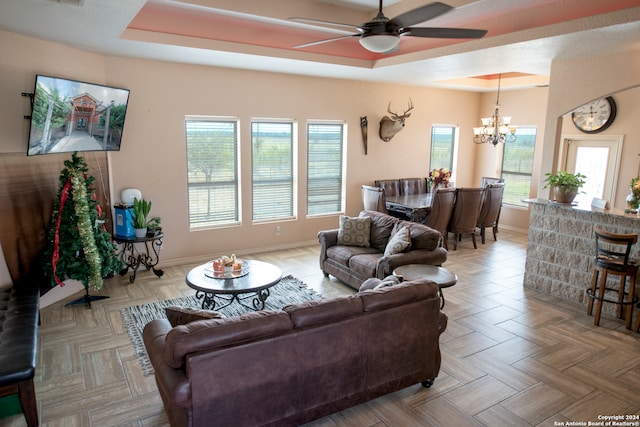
(19, 321)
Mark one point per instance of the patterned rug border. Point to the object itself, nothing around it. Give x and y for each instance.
(289, 290)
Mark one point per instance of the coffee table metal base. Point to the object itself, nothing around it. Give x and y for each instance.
(209, 299)
(250, 290)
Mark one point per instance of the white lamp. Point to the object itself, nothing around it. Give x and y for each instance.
(128, 194)
(379, 43)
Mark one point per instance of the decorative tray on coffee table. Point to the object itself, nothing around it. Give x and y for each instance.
(227, 274)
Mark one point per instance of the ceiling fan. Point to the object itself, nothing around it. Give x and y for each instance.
(382, 35)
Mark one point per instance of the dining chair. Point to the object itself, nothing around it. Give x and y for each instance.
(412, 185)
(374, 199)
(465, 214)
(443, 201)
(490, 211)
(391, 186)
(486, 180)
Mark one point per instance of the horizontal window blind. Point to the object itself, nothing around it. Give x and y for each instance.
(324, 168)
(212, 172)
(272, 170)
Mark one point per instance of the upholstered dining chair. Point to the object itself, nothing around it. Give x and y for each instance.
(490, 211)
(443, 201)
(486, 180)
(412, 185)
(465, 214)
(374, 199)
(391, 186)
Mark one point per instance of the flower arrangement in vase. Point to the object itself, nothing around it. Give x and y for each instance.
(633, 199)
(440, 177)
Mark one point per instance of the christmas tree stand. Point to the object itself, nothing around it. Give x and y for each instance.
(86, 299)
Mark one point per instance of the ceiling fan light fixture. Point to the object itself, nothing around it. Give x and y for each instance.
(379, 43)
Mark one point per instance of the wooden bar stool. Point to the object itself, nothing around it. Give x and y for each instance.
(612, 257)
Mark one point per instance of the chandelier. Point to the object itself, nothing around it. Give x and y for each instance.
(495, 129)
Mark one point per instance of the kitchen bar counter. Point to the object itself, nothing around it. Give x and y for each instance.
(562, 245)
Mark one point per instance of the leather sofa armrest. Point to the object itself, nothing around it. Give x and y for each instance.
(442, 322)
(386, 265)
(327, 238)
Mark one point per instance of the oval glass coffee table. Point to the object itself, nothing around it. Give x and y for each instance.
(443, 277)
(254, 285)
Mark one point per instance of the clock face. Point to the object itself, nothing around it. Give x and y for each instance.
(595, 116)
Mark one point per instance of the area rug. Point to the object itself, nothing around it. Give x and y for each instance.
(288, 291)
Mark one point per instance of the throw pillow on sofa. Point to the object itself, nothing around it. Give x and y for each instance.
(354, 231)
(399, 242)
(375, 283)
(183, 315)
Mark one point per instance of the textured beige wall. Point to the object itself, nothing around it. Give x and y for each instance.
(153, 157)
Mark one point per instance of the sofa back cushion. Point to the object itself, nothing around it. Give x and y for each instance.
(396, 295)
(422, 237)
(316, 312)
(209, 334)
(381, 227)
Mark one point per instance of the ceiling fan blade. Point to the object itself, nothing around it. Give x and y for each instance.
(420, 14)
(444, 33)
(321, 22)
(326, 40)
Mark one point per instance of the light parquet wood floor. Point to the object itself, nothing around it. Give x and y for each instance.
(510, 356)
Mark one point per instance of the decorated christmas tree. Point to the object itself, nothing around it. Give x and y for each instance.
(79, 246)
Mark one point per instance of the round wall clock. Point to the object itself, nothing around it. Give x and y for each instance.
(595, 116)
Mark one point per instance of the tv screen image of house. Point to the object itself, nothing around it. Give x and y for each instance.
(70, 115)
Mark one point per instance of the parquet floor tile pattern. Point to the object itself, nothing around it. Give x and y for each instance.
(510, 356)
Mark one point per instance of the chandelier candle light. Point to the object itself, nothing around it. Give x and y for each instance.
(495, 129)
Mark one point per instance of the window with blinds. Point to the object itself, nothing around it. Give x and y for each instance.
(212, 171)
(517, 165)
(272, 170)
(325, 168)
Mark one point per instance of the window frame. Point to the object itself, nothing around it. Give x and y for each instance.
(293, 169)
(502, 170)
(236, 183)
(454, 148)
(343, 169)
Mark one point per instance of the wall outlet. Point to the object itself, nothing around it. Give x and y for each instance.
(277, 231)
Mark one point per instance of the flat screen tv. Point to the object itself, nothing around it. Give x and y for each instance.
(70, 115)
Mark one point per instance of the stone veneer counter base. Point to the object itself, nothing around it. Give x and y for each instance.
(562, 246)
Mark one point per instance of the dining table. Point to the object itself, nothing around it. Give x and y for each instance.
(415, 207)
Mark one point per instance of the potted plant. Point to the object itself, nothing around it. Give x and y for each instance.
(141, 209)
(565, 185)
(153, 226)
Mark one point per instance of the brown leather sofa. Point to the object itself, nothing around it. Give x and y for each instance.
(288, 367)
(355, 264)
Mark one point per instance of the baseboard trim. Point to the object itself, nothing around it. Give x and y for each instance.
(240, 253)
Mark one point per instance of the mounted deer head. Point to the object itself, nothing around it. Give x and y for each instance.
(389, 126)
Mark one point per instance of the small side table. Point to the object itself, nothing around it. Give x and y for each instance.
(440, 275)
(134, 258)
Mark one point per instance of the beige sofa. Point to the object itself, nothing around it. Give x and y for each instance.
(356, 261)
(286, 368)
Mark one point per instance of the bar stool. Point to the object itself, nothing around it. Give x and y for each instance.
(612, 257)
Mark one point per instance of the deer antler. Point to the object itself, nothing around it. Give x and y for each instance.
(410, 107)
(394, 115)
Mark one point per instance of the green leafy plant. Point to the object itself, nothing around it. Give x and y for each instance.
(564, 178)
(154, 222)
(141, 209)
